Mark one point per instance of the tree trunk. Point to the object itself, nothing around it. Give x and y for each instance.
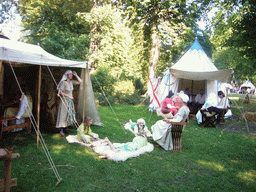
(154, 55)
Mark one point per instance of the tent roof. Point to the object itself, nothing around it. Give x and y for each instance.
(196, 65)
(13, 51)
(248, 83)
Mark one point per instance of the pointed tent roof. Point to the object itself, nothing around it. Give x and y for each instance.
(248, 83)
(196, 65)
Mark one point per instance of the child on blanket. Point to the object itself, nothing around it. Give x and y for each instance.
(84, 132)
(136, 127)
(138, 142)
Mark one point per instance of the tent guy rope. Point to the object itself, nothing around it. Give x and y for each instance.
(65, 105)
(110, 104)
(35, 126)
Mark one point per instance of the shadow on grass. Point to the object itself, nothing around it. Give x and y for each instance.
(212, 159)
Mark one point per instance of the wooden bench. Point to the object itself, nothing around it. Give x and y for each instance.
(6, 183)
(176, 130)
(12, 126)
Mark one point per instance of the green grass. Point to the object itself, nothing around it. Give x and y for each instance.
(212, 160)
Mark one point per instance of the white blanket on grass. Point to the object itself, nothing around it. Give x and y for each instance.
(104, 149)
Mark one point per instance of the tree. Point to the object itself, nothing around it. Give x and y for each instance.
(55, 26)
(178, 15)
(114, 45)
(233, 37)
(8, 12)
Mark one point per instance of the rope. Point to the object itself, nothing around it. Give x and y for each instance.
(243, 116)
(65, 103)
(109, 104)
(35, 126)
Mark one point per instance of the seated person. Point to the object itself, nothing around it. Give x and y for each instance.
(222, 106)
(160, 132)
(84, 132)
(25, 106)
(169, 107)
(139, 141)
(199, 100)
(211, 101)
(135, 127)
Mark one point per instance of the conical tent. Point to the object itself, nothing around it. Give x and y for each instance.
(194, 70)
(247, 84)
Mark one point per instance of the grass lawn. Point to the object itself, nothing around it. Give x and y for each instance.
(212, 160)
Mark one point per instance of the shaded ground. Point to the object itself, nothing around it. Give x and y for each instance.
(236, 124)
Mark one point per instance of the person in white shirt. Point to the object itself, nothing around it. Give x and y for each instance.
(223, 105)
(200, 100)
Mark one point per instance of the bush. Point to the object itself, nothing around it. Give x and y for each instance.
(103, 101)
(105, 80)
(129, 99)
(124, 87)
(139, 87)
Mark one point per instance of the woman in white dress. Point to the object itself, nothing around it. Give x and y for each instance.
(159, 130)
(66, 111)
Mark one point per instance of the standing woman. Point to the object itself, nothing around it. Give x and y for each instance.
(66, 111)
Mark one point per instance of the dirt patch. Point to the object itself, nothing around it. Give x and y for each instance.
(236, 124)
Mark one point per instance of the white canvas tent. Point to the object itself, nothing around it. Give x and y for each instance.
(194, 70)
(247, 84)
(18, 54)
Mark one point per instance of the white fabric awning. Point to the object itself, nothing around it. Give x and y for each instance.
(18, 52)
(220, 75)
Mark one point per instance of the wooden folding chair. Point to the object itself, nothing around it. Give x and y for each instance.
(12, 126)
(176, 130)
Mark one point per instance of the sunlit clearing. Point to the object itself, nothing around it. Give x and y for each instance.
(212, 165)
(58, 148)
(56, 136)
(248, 176)
(234, 98)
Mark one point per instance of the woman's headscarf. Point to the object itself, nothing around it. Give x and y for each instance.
(142, 121)
(64, 78)
(183, 96)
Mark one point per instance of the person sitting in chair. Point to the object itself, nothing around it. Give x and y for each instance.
(25, 106)
(169, 107)
(199, 100)
(161, 127)
(222, 106)
(210, 106)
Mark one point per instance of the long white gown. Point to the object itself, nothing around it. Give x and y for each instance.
(160, 132)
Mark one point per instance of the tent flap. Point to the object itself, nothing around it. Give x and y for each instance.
(221, 75)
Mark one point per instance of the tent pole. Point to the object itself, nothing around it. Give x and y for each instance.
(1, 80)
(38, 99)
(192, 89)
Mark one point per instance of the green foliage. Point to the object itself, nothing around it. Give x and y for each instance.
(125, 87)
(102, 80)
(233, 37)
(7, 10)
(54, 25)
(116, 45)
